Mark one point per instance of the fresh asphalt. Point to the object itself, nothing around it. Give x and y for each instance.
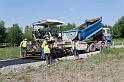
(4, 63)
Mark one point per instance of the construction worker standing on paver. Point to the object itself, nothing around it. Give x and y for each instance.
(23, 46)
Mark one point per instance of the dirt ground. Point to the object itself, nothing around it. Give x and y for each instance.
(69, 72)
(107, 72)
(100, 68)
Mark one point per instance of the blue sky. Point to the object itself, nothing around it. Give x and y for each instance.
(24, 12)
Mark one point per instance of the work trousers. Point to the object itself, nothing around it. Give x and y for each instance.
(76, 54)
(23, 51)
(48, 57)
(42, 54)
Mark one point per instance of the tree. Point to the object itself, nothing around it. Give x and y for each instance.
(2, 32)
(15, 34)
(69, 26)
(28, 32)
(106, 26)
(118, 28)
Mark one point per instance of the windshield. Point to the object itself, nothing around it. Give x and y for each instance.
(108, 31)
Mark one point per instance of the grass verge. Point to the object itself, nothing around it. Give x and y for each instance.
(118, 41)
(9, 53)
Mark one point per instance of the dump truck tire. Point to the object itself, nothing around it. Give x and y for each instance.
(92, 47)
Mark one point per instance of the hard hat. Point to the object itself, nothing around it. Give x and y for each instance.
(46, 38)
(25, 39)
(46, 35)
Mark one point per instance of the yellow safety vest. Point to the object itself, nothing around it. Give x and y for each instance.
(46, 49)
(43, 44)
(23, 44)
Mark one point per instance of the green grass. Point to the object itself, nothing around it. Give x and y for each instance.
(118, 41)
(113, 54)
(9, 52)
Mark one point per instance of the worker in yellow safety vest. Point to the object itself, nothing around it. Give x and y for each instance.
(23, 46)
(43, 45)
(47, 51)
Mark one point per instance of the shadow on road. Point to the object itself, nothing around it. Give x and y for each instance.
(16, 61)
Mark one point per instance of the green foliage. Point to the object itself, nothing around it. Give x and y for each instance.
(69, 26)
(2, 32)
(15, 34)
(28, 33)
(107, 55)
(118, 28)
(106, 26)
(118, 41)
(116, 32)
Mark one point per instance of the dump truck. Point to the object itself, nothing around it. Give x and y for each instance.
(89, 36)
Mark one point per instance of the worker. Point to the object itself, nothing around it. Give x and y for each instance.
(47, 53)
(43, 45)
(75, 51)
(23, 46)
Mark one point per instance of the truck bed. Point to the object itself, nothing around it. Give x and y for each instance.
(89, 31)
(85, 31)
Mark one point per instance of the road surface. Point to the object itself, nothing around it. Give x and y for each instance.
(4, 63)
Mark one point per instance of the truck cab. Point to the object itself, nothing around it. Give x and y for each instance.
(107, 35)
